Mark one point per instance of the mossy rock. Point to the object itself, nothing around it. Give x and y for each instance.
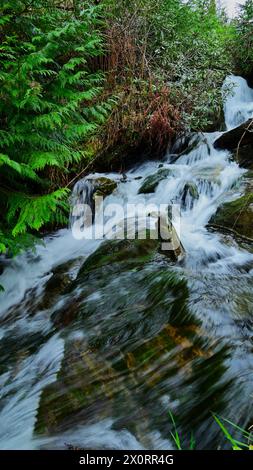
(112, 260)
(62, 276)
(126, 252)
(237, 216)
(104, 186)
(132, 335)
(152, 181)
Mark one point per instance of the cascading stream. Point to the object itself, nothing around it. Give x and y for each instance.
(32, 351)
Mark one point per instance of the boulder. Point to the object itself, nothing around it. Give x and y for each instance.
(244, 156)
(241, 135)
(103, 186)
(152, 181)
(236, 216)
(116, 257)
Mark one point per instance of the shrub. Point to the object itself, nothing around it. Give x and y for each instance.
(167, 44)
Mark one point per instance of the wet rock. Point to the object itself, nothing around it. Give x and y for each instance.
(124, 178)
(181, 145)
(152, 181)
(87, 188)
(62, 276)
(138, 178)
(190, 190)
(173, 247)
(244, 156)
(236, 216)
(128, 317)
(103, 186)
(240, 135)
(85, 193)
(111, 261)
(184, 145)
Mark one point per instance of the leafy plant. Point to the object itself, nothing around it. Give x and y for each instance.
(181, 45)
(243, 43)
(49, 108)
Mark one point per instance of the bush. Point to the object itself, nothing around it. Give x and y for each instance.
(167, 44)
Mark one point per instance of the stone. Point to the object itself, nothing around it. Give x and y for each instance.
(241, 135)
(152, 181)
(236, 216)
(103, 186)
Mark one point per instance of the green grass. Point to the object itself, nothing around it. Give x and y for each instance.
(176, 437)
(247, 437)
(246, 442)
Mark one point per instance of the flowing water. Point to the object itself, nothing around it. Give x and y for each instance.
(131, 347)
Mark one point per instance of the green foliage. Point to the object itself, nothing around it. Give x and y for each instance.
(48, 108)
(243, 44)
(186, 45)
(245, 444)
(165, 60)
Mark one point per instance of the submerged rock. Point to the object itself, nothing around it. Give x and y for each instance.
(62, 276)
(236, 216)
(130, 310)
(152, 181)
(84, 194)
(111, 261)
(190, 190)
(86, 188)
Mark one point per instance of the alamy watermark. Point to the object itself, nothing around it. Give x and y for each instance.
(114, 221)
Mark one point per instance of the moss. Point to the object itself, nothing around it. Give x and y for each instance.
(104, 186)
(130, 252)
(237, 215)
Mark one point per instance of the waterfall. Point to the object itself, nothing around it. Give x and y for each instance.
(238, 101)
(82, 195)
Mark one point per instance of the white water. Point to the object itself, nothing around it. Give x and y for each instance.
(238, 101)
(217, 178)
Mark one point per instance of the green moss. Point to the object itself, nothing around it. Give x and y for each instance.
(129, 252)
(105, 186)
(237, 215)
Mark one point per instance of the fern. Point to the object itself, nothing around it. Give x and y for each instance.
(48, 109)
